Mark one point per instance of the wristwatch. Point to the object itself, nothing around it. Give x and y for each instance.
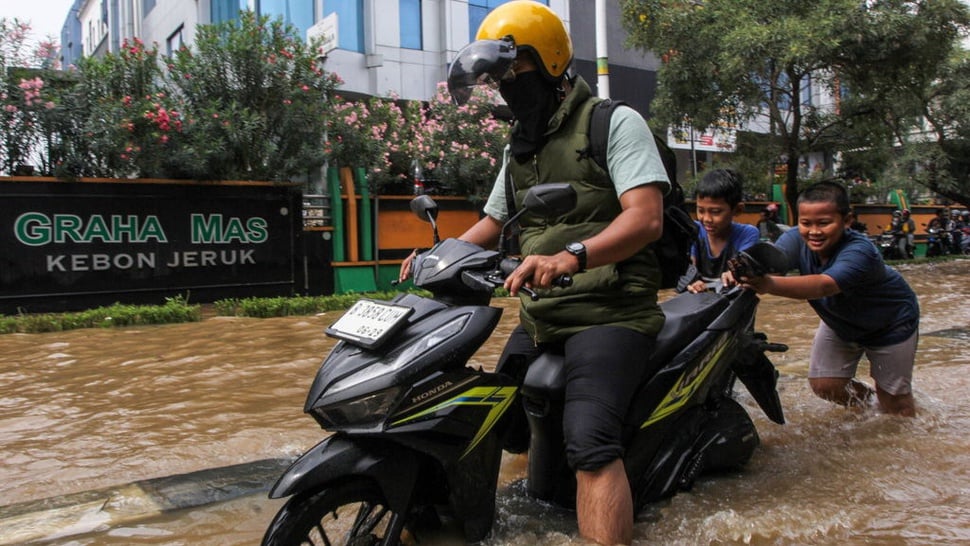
(579, 250)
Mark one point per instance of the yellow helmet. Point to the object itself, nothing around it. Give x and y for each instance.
(534, 27)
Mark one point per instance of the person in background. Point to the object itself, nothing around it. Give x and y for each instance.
(942, 223)
(609, 318)
(768, 224)
(907, 226)
(956, 231)
(965, 232)
(857, 225)
(866, 307)
(720, 238)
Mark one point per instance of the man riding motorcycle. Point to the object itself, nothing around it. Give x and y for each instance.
(611, 310)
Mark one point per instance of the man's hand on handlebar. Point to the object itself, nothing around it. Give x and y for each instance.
(406, 266)
(541, 272)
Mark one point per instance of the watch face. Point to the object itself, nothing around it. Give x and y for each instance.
(576, 248)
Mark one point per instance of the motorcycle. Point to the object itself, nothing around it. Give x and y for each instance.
(889, 243)
(418, 435)
(938, 241)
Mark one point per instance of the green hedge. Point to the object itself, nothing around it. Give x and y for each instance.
(174, 310)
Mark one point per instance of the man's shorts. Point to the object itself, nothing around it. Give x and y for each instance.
(604, 366)
(890, 366)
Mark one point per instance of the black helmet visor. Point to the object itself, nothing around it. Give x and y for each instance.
(483, 62)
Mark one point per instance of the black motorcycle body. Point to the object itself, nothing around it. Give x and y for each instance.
(418, 434)
(889, 243)
(938, 242)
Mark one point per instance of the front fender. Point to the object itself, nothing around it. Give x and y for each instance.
(392, 467)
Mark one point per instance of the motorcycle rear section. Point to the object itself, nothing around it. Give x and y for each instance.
(685, 419)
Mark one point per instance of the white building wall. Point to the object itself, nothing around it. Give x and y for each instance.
(383, 68)
(172, 22)
(94, 30)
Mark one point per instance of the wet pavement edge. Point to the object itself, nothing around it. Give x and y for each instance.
(88, 511)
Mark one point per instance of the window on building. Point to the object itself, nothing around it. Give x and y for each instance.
(478, 9)
(807, 90)
(298, 13)
(226, 10)
(350, 22)
(174, 42)
(411, 24)
(147, 6)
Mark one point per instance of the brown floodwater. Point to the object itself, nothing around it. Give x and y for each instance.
(91, 409)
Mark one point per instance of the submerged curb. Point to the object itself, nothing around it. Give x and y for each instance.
(89, 511)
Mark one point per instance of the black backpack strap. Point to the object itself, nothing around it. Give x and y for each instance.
(599, 130)
(513, 237)
(509, 186)
(599, 136)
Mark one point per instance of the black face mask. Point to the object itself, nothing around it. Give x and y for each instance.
(533, 100)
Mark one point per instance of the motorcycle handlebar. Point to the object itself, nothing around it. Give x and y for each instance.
(508, 265)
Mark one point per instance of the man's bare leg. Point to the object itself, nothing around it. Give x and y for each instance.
(604, 505)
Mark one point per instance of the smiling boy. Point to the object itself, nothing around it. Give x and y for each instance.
(865, 306)
(719, 238)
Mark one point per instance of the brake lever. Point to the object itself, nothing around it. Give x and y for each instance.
(530, 292)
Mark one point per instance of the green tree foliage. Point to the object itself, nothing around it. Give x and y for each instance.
(252, 86)
(749, 60)
(927, 127)
(248, 101)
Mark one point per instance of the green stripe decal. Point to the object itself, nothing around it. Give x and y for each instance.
(685, 386)
(498, 398)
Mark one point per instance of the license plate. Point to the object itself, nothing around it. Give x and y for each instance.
(369, 323)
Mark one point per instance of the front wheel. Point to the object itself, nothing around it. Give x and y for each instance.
(352, 513)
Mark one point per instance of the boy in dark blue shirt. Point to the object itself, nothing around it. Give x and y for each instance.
(866, 307)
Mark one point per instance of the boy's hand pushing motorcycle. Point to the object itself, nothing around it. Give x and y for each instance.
(748, 272)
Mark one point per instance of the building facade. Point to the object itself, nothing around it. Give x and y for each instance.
(383, 47)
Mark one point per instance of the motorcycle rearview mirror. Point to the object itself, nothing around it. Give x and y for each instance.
(545, 200)
(769, 258)
(426, 209)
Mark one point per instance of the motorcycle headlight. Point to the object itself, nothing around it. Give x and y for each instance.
(359, 411)
(395, 362)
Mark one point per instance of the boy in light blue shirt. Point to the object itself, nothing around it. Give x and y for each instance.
(719, 238)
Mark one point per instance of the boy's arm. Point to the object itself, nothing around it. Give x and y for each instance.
(801, 287)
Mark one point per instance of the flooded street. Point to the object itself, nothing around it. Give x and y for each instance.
(90, 409)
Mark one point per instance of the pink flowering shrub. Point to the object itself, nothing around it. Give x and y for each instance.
(457, 149)
(26, 99)
(378, 135)
(462, 145)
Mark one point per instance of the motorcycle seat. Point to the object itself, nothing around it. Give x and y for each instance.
(687, 316)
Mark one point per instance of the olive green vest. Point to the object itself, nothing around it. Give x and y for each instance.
(622, 294)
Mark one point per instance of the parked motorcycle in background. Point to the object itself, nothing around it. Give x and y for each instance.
(418, 434)
(939, 241)
(891, 244)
